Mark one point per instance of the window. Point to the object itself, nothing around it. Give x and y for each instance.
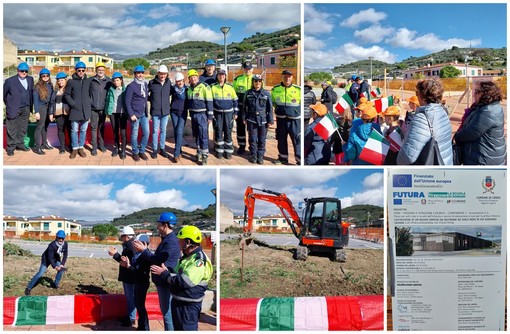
(472, 72)
(46, 226)
(59, 224)
(275, 222)
(76, 59)
(273, 60)
(91, 59)
(67, 225)
(30, 60)
(24, 225)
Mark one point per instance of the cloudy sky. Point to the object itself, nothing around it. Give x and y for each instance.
(343, 33)
(99, 194)
(356, 186)
(138, 28)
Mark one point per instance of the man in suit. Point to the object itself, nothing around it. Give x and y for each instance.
(18, 99)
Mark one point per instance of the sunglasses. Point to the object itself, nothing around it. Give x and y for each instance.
(23, 71)
(80, 70)
(44, 76)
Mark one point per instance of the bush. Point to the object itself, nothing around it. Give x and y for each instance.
(233, 229)
(12, 249)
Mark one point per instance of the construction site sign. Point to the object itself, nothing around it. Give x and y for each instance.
(447, 246)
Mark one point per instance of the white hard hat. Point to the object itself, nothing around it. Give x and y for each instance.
(179, 76)
(127, 230)
(162, 69)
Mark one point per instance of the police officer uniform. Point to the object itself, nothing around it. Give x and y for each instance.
(242, 84)
(225, 104)
(258, 113)
(200, 106)
(287, 103)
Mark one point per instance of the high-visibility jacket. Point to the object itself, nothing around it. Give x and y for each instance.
(224, 98)
(242, 84)
(200, 99)
(287, 101)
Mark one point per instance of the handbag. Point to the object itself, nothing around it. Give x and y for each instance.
(430, 154)
(457, 154)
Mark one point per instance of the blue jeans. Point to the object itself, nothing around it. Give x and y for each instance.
(38, 275)
(165, 299)
(159, 123)
(144, 123)
(179, 122)
(129, 292)
(81, 127)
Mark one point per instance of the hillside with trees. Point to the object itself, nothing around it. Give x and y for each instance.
(359, 213)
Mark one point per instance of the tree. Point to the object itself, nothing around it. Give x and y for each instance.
(449, 72)
(102, 231)
(129, 64)
(404, 241)
(320, 76)
(287, 61)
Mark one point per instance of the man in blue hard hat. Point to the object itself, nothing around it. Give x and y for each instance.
(18, 99)
(167, 253)
(56, 256)
(99, 86)
(209, 74)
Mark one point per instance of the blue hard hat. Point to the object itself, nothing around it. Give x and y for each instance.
(116, 75)
(139, 68)
(354, 76)
(61, 234)
(23, 67)
(80, 64)
(45, 71)
(167, 217)
(210, 62)
(61, 75)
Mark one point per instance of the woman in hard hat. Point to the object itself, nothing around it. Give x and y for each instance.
(126, 276)
(42, 98)
(54, 255)
(178, 112)
(115, 108)
(189, 282)
(59, 110)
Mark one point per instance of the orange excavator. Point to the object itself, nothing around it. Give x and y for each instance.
(320, 230)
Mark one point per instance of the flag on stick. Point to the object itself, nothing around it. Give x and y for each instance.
(375, 149)
(344, 102)
(375, 92)
(383, 103)
(326, 127)
(395, 139)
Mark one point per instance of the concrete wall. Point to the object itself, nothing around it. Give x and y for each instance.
(10, 53)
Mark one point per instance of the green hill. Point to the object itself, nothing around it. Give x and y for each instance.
(359, 213)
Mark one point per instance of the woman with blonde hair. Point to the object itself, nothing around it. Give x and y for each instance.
(59, 110)
(42, 97)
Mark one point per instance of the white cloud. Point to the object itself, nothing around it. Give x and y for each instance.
(313, 43)
(367, 15)
(164, 11)
(373, 181)
(135, 197)
(317, 22)
(347, 53)
(405, 38)
(257, 16)
(373, 34)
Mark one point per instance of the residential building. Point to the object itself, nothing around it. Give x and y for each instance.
(448, 241)
(270, 223)
(433, 70)
(44, 225)
(272, 59)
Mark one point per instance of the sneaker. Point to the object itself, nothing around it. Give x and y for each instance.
(73, 154)
(252, 159)
(219, 155)
(81, 153)
(204, 161)
(27, 292)
(143, 156)
(260, 161)
(281, 161)
(241, 150)
(136, 157)
(199, 157)
(47, 147)
(228, 156)
(163, 153)
(154, 155)
(53, 285)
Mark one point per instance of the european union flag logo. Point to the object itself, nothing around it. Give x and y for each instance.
(403, 180)
(397, 201)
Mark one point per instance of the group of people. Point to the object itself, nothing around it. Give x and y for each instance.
(180, 271)
(207, 99)
(480, 139)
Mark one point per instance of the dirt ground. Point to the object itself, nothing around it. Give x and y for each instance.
(272, 272)
(84, 276)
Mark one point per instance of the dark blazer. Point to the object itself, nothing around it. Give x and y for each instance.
(51, 255)
(159, 97)
(13, 91)
(77, 97)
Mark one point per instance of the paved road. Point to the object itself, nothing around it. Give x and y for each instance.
(75, 249)
(290, 240)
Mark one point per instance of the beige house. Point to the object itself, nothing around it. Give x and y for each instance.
(433, 70)
(271, 223)
(39, 59)
(44, 225)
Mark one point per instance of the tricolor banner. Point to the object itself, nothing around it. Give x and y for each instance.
(375, 149)
(395, 139)
(303, 313)
(383, 103)
(344, 102)
(375, 92)
(326, 127)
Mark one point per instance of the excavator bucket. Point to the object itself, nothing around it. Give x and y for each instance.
(245, 241)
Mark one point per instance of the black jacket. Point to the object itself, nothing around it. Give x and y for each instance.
(51, 255)
(168, 252)
(482, 136)
(309, 98)
(125, 275)
(77, 97)
(97, 91)
(327, 98)
(159, 97)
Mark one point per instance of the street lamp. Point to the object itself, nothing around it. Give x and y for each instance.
(467, 79)
(371, 78)
(225, 31)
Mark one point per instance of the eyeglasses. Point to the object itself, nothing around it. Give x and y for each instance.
(23, 71)
(80, 70)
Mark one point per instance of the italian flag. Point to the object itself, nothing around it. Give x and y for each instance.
(344, 102)
(363, 94)
(375, 149)
(375, 92)
(383, 103)
(44, 310)
(326, 126)
(395, 139)
(316, 314)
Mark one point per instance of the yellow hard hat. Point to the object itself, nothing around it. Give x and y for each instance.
(192, 73)
(100, 64)
(190, 232)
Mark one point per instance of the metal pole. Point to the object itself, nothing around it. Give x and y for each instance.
(467, 81)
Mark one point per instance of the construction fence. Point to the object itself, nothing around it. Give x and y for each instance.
(373, 234)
